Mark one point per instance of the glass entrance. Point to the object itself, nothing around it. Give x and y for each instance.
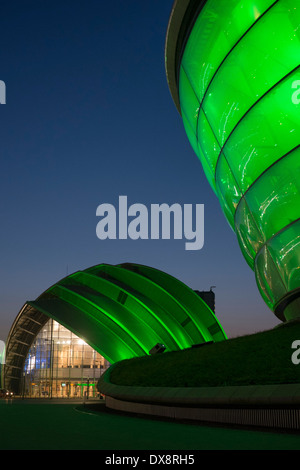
(61, 365)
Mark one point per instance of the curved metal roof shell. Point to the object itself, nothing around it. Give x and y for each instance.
(121, 311)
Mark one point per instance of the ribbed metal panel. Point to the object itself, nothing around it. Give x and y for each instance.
(275, 418)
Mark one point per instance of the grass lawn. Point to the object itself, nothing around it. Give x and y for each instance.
(261, 358)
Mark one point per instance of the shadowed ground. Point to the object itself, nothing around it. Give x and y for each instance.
(42, 425)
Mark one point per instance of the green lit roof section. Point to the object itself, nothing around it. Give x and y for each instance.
(123, 311)
(238, 85)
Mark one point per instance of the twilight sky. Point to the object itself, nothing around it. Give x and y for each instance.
(89, 118)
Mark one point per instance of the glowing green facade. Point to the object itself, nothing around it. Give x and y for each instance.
(233, 71)
(121, 311)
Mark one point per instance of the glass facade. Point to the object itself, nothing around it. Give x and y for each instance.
(239, 92)
(61, 365)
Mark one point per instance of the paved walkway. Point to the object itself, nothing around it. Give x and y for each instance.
(68, 425)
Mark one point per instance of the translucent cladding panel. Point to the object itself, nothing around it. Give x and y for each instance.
(270, 130)
(268, 278)
(208, 142)
(266, 54)
(228, 190)
(217, 29)
(207, 171)
(188, 102)
(274, 199)
(190, 134)
(249, 237)
(285, 250)
(194, 143)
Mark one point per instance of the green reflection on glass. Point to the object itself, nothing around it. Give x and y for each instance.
(269, 130)
(239, 91)
(217, 29)
(285, 250)
(269, 199)
(252, 68)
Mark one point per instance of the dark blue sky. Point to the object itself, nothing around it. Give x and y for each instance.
(89, 117)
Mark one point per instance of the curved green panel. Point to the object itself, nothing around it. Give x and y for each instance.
(102, 312)
(123, 311)
(199, 318)
(142, 317)
(239, 92)
(163, 307)
(112, 309)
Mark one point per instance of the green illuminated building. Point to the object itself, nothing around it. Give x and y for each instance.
(233, 72)
(60, 343)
